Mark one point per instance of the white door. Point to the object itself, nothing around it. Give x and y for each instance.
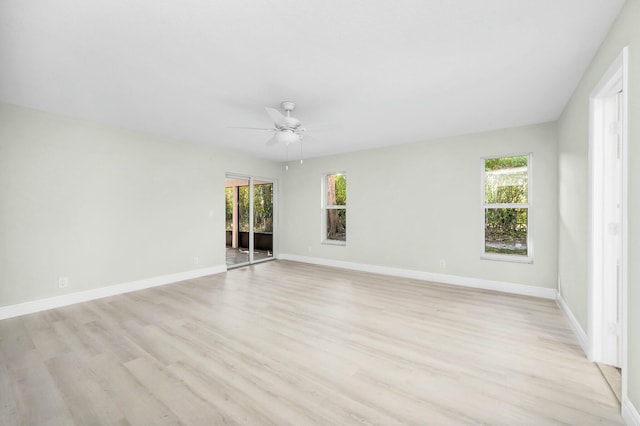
(612, 232)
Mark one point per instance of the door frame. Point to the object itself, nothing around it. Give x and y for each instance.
(613, 80)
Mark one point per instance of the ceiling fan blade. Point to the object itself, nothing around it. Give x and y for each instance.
(250, 128)
(277, 117)
(272, 141)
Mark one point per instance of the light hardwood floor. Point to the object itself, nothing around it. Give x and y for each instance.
(289, 343)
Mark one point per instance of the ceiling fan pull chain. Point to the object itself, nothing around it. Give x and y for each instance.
(286, 167)
(301, 161)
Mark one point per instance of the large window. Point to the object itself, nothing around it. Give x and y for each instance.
(506, 205)
(334, 206)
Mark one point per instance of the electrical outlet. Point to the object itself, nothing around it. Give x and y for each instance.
(443, 263)
(196, 260)
(63, 282)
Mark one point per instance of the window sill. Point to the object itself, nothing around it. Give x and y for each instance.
(507, 258)
(334, 242)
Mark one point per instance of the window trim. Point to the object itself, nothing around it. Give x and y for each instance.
(324, 207)
(529, 206)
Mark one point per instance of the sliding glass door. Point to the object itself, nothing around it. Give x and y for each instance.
(250, 220)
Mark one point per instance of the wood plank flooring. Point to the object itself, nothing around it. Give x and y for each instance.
(289, 343)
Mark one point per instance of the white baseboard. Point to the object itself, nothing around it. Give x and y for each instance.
(505, 287)
(629, 413)
(98, 293)
(577, 328)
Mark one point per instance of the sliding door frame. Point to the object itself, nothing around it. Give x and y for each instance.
(274, 200)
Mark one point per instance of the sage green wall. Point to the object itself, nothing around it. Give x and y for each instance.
(104, 206)
(411, 206)
(573, 137)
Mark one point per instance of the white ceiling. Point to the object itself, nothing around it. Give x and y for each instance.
(364, 73)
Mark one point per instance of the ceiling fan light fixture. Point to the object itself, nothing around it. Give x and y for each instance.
(287, 137)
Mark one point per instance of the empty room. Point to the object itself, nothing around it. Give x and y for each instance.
(292, 213)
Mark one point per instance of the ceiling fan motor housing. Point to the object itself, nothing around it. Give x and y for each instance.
(288, 105)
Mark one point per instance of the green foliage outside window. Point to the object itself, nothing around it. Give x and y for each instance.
(228, 197)
(341, 189)
(505, 162)
(262, 208)
(243, 208)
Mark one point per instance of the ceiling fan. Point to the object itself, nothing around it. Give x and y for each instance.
(287, 129)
